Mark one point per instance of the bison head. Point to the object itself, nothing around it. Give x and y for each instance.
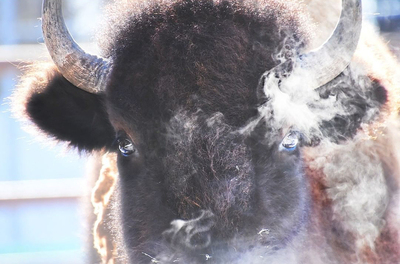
(210, 106)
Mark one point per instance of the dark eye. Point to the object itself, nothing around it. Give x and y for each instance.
(289, 143)
(126, 146)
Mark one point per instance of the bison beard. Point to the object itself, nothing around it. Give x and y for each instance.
(214, 166)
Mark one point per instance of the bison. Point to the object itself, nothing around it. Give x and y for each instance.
(225, 138)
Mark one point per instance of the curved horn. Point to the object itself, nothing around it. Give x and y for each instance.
(88, 72)
(328, 61)
(323, 64)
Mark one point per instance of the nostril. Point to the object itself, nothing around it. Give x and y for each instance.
(191, 234)
(200, 240)
(207, 222)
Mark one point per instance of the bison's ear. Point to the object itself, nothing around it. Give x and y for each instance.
(63, 111)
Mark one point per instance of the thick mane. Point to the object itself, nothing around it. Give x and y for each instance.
(215, 51)
(121, 15)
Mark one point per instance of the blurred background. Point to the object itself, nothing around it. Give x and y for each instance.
(42, 188)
